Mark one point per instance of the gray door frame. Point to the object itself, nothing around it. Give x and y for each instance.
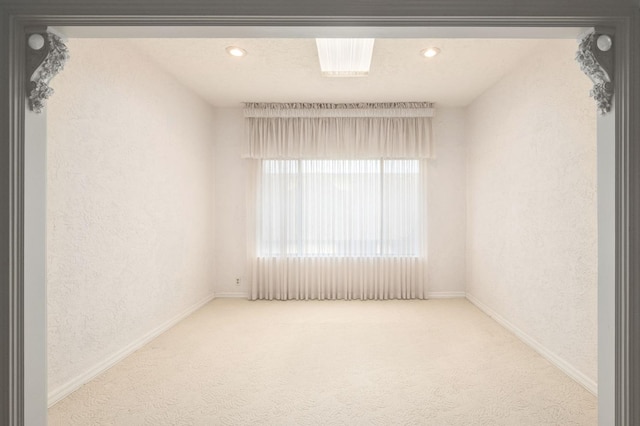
(16, 17)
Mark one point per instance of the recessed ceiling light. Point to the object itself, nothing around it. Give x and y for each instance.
(236, 51)
(430, 52)
(345, 57)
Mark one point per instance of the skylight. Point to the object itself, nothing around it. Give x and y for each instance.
(345, 57)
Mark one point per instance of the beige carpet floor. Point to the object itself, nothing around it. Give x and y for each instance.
(235, 362)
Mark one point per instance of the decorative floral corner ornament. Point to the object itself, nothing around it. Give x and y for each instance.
(43, 63)
(595, 57)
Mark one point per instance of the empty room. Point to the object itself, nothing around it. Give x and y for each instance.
(320, 230)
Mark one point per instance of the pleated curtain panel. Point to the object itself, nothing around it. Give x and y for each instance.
(338, 200)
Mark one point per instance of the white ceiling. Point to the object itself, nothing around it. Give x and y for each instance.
(287, 70)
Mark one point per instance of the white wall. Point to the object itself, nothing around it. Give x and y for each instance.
(231, 174)
(447, 204)
(446, 182)
(531, 206)
(130, 206)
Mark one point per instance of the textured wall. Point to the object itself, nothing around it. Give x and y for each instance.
(231, 174)
(130, 197)
(446, 202)
(531, 203)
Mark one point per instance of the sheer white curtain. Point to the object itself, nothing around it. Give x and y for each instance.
(338, 202)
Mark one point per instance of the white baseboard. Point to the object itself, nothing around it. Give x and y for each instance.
(445, 294)
(232, 295)
(72, 385)
(554, 359)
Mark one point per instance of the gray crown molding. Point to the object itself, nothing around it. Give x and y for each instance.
(42, 65)
(597, 64)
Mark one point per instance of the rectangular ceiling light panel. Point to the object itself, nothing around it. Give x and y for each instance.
(345, 57)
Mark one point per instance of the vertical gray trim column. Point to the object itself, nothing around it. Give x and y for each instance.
(35, 286)
(606, 159)
(39, 66)
(5, 275)
(632, 232)
(6, 343)
(12, 214)
(627, 299)
(588, 58)
(623, 261)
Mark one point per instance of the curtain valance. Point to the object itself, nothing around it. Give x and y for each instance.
(364, 130)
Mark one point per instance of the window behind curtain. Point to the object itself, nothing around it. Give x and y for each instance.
(340, 208)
